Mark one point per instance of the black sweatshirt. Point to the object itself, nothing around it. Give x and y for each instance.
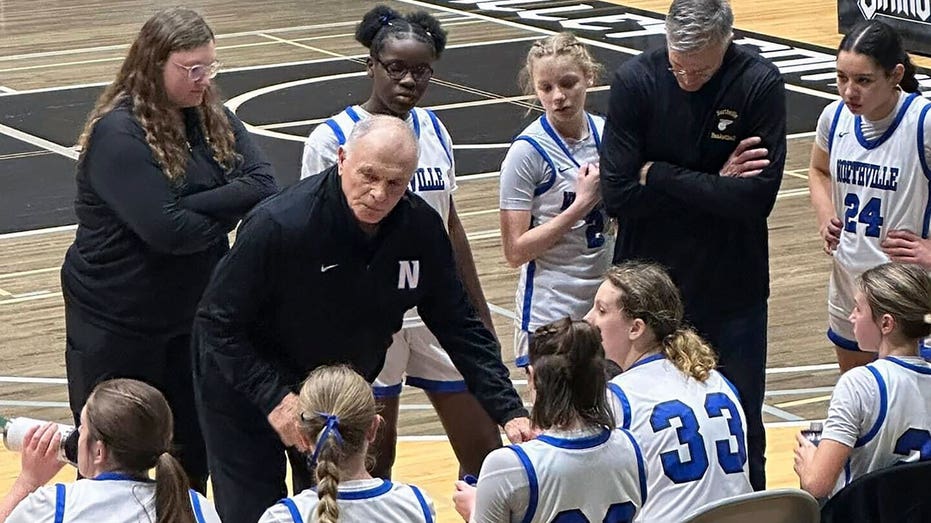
(145, 246)
(303, 286)
(709, 230)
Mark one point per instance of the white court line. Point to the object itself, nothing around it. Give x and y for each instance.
(37, 380)
(501, 310)
(808, 134)
(16, 403)
(37, 232)
(41, 143)
(802, 368)
(791, 193)
(484, 235)
(6, 89)
(779, 413)
(30, 298)
(794, 392)
(30, 273)
(461, 214)
(477, 176)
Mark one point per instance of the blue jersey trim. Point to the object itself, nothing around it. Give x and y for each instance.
(576, 443)
(732, 386)
(437, 385)
(925, 168)
(118, 476)
(292, 508)
(423, 504)
(340, 137)
(373, 492)
(641, 469)
(353, 115)
(840, 107)
(909, 366)
(595, 135)
(528, 295)
(533, 484)
(416, 122)
(545, 186)
(843, 342)
(195, 504)
(648, 359)
(872, 144)
(847, 472)
(555, 137)
(59, 503)
(522, 361)
(625, 404)
(883, 405)
(439, 134)
(390, 391)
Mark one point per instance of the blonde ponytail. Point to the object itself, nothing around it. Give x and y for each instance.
(690, 353)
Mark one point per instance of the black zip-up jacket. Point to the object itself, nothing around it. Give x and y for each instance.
(145, 246)
(709, 230)
(303, 286)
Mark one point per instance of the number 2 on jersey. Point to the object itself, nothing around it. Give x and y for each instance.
(871, 215)
(913, 440)
(693, 468)
(594, 221)
(617, 513)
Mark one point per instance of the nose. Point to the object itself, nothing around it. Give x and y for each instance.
(379, 192)
(588, 316)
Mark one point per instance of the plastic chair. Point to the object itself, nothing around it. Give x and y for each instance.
(894, 494)
(784, 505)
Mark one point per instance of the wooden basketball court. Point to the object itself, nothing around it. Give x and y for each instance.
(55, 54)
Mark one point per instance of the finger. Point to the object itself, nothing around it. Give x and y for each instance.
(752, 154)
(745, 144)
(800, 439)
(30, 435)
(52, 449)
(749, 174)
(903, 234)
(750, 165)
(900, 253)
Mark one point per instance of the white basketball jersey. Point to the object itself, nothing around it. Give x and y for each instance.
(375, 501)
(693, 436)
(600, 478)
(106, 498)
(879, 184)
(901, 431)
(435, 177)
(563, 280)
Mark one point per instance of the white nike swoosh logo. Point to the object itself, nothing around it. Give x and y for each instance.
(324, 268)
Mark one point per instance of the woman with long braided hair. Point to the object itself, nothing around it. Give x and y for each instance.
(164, 173)
(339, 420)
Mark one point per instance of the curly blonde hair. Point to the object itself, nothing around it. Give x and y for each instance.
(560, 44)
(140, 82)
(648, 293)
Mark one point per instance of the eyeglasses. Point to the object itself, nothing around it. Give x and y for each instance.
(397, 70)
(198, 72)
(701, 74)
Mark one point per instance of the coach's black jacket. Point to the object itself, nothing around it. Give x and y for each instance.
(303, 286)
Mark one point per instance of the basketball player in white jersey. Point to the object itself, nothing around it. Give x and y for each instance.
(685, 415)
(879, 414)
(402, 51)
(125, 431)
(552, 221)
(339, 419)
(869, 172)
(581, 468)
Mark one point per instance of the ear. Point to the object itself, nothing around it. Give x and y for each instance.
(898, 72)
(886, 324)
(637, 329)
(340, 159)
(370, 67)
(100, 454)
(372, 431)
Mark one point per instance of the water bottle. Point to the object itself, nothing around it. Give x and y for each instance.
(15, 429)
(813, 433)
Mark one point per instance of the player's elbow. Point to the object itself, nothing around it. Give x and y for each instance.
(514, 258)
(818, 485)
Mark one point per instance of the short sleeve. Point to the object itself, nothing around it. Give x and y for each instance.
(319, 151)
(522, 171)
(853, 408)
(503, 489)
(823, 133)
(38, 507)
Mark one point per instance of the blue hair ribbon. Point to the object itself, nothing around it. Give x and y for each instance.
(331, 424)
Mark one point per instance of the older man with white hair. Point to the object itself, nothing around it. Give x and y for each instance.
(320, 274)
(694, 149)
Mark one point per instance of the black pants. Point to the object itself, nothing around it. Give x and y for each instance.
(246, 456)
(94, 354)
(740, 340)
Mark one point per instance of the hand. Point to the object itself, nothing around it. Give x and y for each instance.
(587, 187)
(830, 233)
(745, 162)
(40, 456)
(804, 454)
(644, 169)
(518, 430)
(284, 420)
(464, 499)
(907, 247)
